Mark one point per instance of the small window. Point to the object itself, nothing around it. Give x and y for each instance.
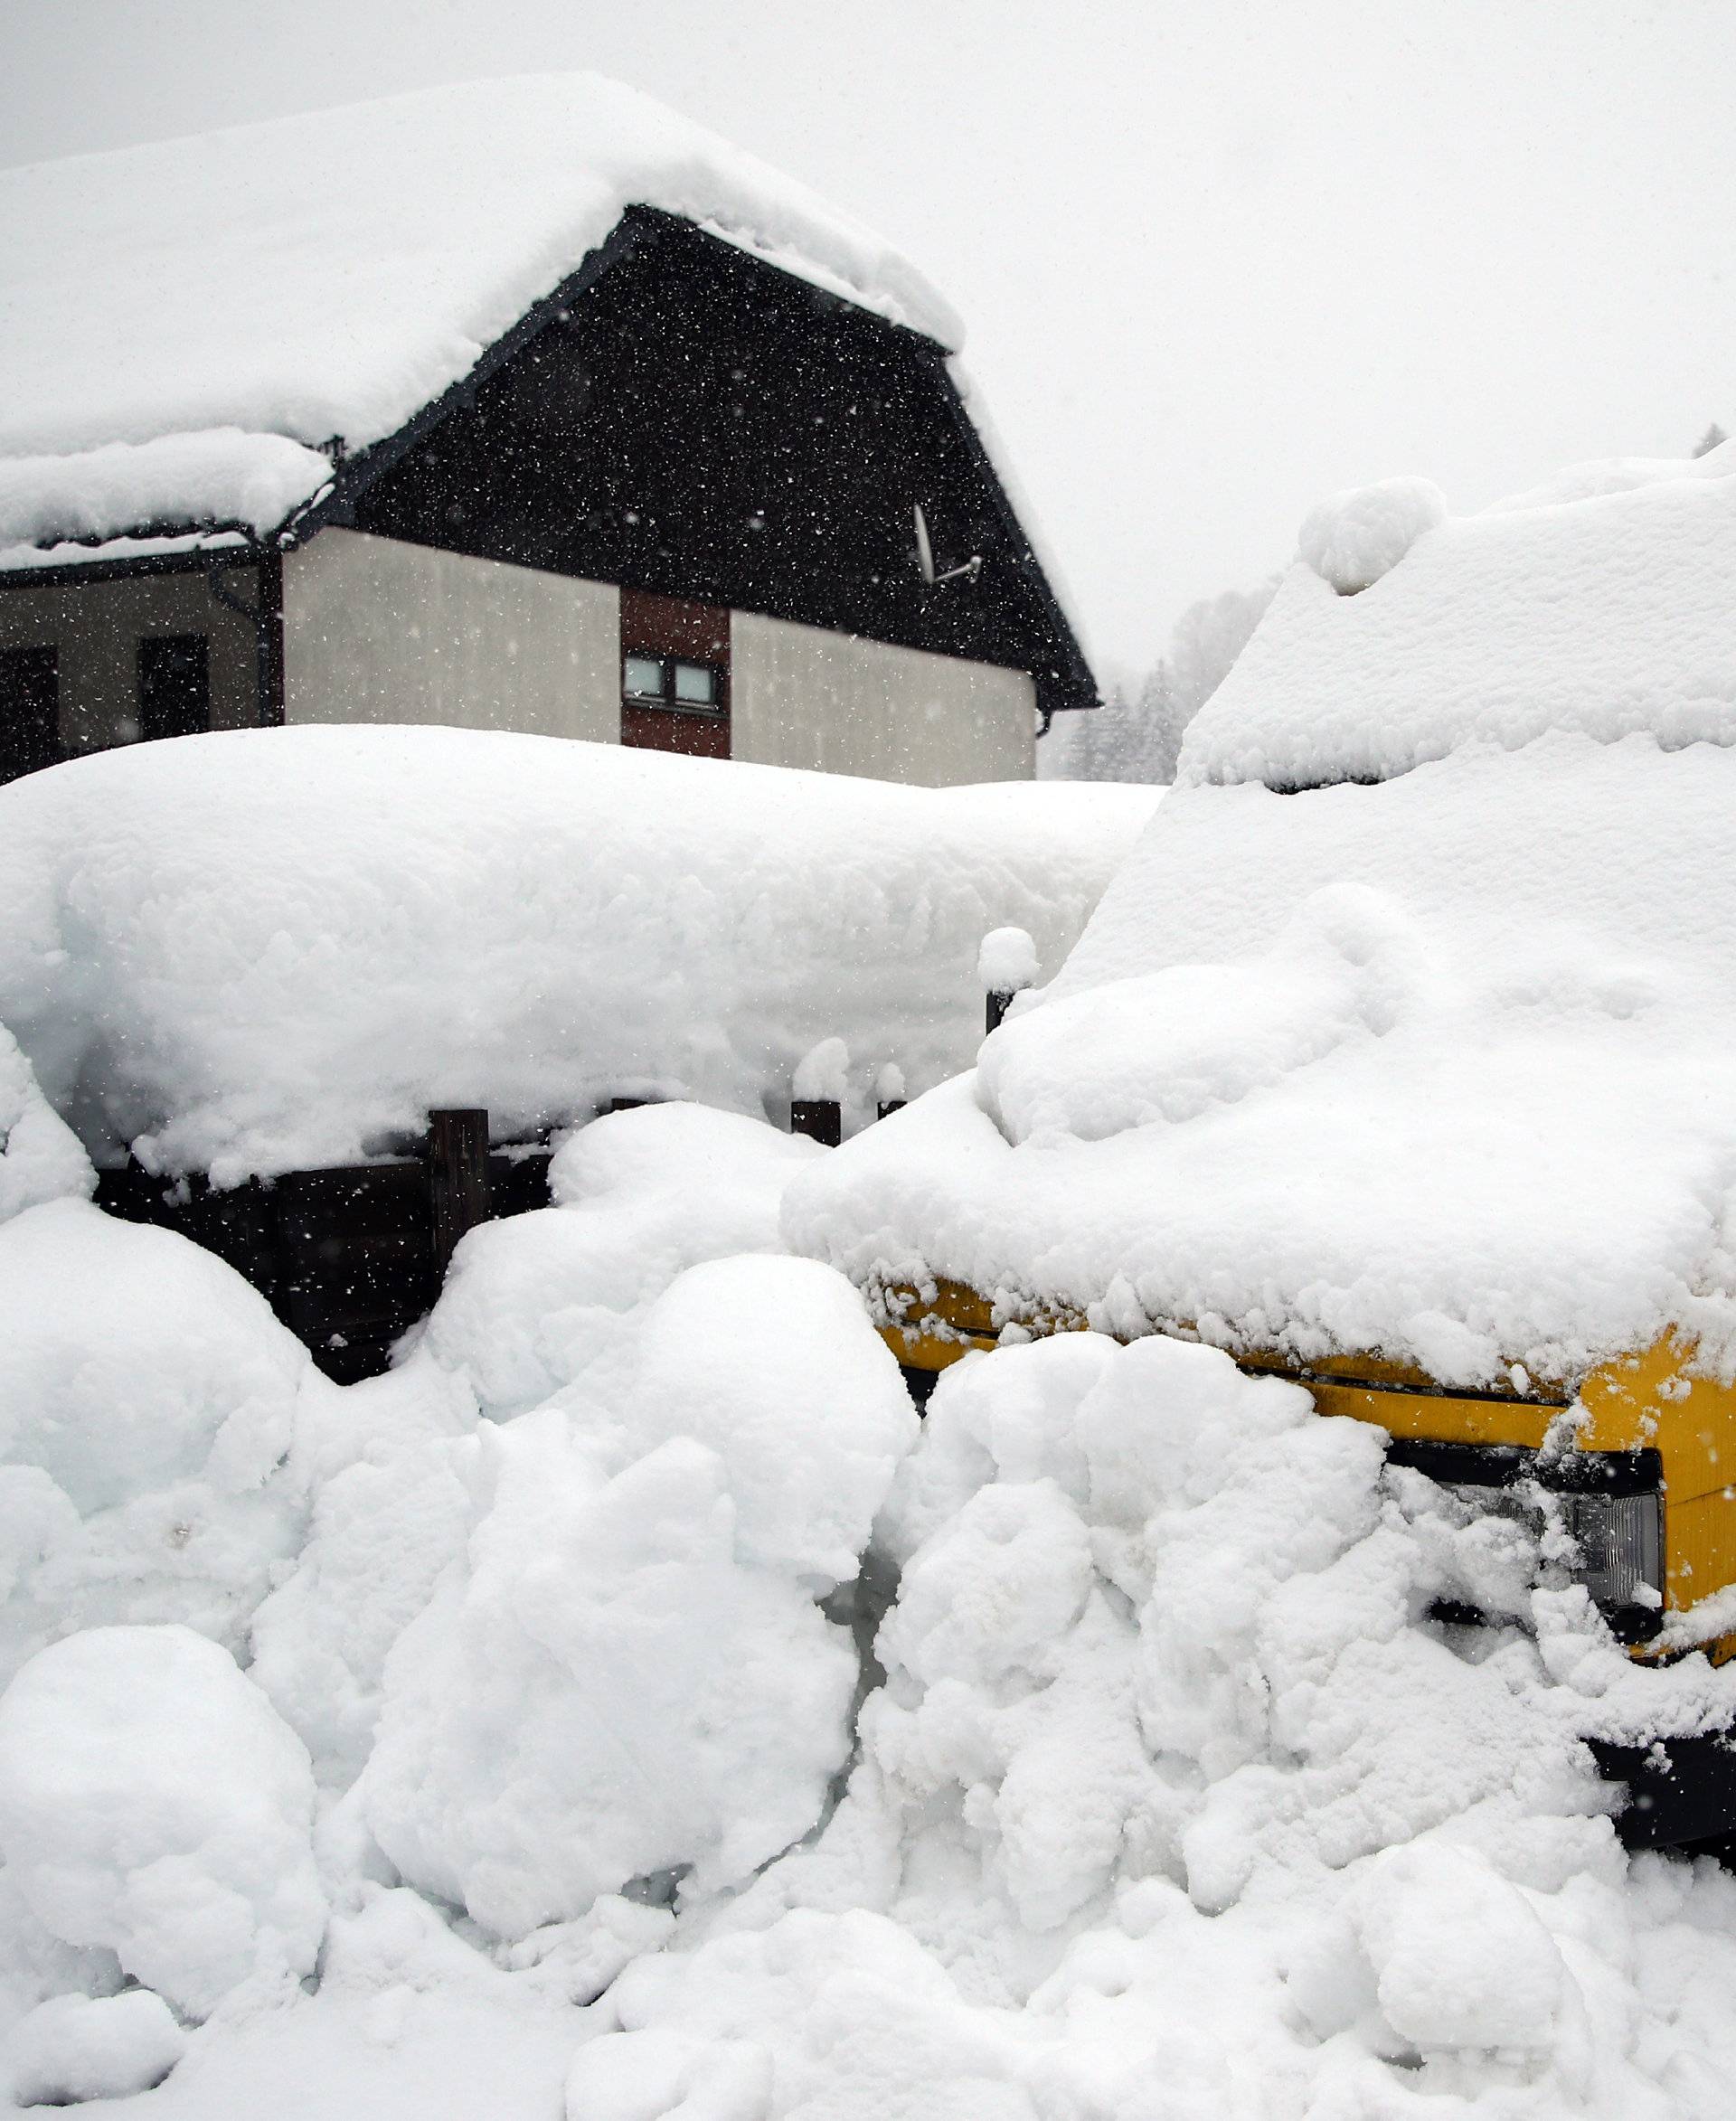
(645, 677)
(174, 685)
(696, 684)
(670, 680)
(30, 710)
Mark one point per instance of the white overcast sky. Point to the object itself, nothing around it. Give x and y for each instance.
(1216, 257)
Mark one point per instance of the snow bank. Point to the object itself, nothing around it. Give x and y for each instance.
(76, 2048)
(255, 951)
(1438, 1068)
(152, 1804)
(41, 1159)
(364, 260)
(625, 1682)
(1167, 1794)
(1602, 604)
(149, 1400)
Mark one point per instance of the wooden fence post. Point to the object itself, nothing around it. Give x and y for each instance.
(457, 1179)
(821, 1119)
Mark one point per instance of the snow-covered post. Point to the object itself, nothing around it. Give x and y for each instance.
(889, 1090)
(457, 1179)
(1007, 965)
(817, 1093)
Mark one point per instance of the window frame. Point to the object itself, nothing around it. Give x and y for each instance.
(666, 700)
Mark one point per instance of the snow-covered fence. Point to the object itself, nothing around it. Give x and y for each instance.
(349, 1256)
(266, 951)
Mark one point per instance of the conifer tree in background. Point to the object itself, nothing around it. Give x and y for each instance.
(1137, 734)
(1710, 440)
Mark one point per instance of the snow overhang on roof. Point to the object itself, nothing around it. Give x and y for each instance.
(190, 326)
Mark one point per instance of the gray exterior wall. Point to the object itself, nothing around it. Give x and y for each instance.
(801, 696)
(375, 630)
(96, 625)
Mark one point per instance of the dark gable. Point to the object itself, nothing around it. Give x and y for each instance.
(685, 419)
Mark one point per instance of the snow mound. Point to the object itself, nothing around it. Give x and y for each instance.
(76, 2048)
(532, 1303)
(1601, 605)
(1167, 1787)
(476, 928)
(41, 1159)
(1007, 961)
(149, 1401)
(153, 1803)
(364, 259)
(803, 1405)
(1354, 537)
(624, 1677)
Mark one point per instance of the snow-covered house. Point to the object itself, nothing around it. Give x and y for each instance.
(524, 405)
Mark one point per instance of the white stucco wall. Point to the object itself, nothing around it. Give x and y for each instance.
(379, 631)
(801, 696)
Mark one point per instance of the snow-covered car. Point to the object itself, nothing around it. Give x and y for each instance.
(1400, 1056)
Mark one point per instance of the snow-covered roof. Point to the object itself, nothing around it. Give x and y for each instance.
(1442, 1067)
(184, 326)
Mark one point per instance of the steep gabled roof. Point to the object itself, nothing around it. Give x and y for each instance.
(188, 327)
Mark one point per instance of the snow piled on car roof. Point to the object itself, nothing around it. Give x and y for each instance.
(1442, 1068)
(1605, 602)
(208, 302)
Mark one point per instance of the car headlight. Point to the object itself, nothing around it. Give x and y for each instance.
(1609, 1503)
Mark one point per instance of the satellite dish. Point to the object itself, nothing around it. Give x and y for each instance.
(924, 550)
(971, 569)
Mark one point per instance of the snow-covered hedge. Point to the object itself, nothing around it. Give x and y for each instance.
(251, 952)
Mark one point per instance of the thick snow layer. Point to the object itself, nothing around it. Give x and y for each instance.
(329, 274)
(1607, 605)
(76, 2048)
(41, 1159)
(249, 481)
(153, 1803)
(1160, 1785)
(1423, 1067)
(255, 951)
(1438, 1067)
(532, 1303)
(1169, 1798)
(149, 1401)
(1354, 537)
(625, 1678)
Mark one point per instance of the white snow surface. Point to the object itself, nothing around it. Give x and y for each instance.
(1352, 539)
(1440, 1066)
(1157, 1794)
(263, 950)
(329, 274)
(41, 1159)
(153, 1805)
(75, 2048)
(1605, 603)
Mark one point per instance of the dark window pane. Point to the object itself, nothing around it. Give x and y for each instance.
(174, 685)
(695, 686)
(645, 677)
(30, 710)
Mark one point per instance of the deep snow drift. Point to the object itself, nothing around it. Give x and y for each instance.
(265, 949)
(1438, 1067)
(1161, 1796)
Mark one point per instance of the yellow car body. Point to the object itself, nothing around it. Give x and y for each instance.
(1655, 1408)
